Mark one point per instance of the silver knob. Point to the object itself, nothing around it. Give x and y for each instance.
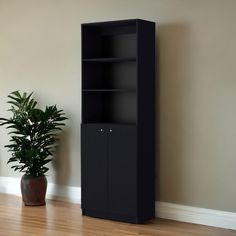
(110, 130)
(101, 130)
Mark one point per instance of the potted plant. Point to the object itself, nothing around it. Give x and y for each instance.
(33, 137)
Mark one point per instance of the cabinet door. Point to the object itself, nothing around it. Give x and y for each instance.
(94, 167)
(122, 180)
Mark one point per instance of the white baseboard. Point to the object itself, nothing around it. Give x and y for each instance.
(10, 185)
(196, 215)
(164, 210)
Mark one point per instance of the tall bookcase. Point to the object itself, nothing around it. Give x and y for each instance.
(117, 130)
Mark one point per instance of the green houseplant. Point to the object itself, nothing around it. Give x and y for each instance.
(33, 136)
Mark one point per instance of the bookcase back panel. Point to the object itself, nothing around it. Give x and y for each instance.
(109, 107)
(123, 45)
(120, 75)
(109, 42)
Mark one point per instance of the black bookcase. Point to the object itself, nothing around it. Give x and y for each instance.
(117, 130)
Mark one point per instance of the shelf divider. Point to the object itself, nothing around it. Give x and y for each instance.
(110, 90)
(110, 59)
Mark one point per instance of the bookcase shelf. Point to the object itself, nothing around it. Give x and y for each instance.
(111, 59)
(110, 90)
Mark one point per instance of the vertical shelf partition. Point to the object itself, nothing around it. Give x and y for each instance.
(117, 130)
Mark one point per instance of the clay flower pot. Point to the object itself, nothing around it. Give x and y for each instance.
(33, 190)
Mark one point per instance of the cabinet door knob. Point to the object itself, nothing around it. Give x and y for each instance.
(110, 130)
(101, 130)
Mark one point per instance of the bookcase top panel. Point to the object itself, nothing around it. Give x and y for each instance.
(114, 27)
(114, 23)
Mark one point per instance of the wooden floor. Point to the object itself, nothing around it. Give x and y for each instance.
(60, 218)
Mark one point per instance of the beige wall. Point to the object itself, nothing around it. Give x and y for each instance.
(40, 51)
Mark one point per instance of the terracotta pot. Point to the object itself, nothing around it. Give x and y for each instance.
(33, 190)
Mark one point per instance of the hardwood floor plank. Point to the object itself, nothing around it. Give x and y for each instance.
(62, 219)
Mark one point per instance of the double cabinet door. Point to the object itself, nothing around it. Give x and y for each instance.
(109, 168)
